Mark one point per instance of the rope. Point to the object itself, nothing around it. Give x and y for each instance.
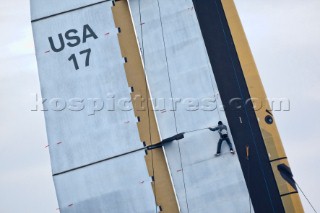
(196, 130)
(248, 160)
(147, 94)
(306, 197)
(174, 114)
(211, 82)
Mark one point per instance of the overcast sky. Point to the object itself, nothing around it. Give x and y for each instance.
(284, 36)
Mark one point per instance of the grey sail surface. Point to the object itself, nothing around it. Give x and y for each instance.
(178, 68)
(87, 138)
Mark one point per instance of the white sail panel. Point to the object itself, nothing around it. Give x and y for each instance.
(118, 186)
(87, 110)
(85, 137)
(177, 67)
(44, 8)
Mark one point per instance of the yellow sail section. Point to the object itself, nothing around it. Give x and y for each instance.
(277, 156)
(148, 130)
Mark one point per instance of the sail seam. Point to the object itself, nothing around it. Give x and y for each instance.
(277, 159)
(68, 11)
(290, 193)
(100, 161)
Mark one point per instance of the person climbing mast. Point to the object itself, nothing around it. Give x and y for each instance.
(223, 131)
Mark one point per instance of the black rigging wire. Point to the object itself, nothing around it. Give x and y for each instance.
(248, 160)
(305, 197)
(173, 105)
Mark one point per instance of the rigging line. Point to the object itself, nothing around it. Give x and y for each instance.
(214, 91)
(167, 65)
(245, 107)
(248, 160)
(210, 66)
(196, 130)
(305, 197)
(173, 105)
(147, 97)
(211, 81)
